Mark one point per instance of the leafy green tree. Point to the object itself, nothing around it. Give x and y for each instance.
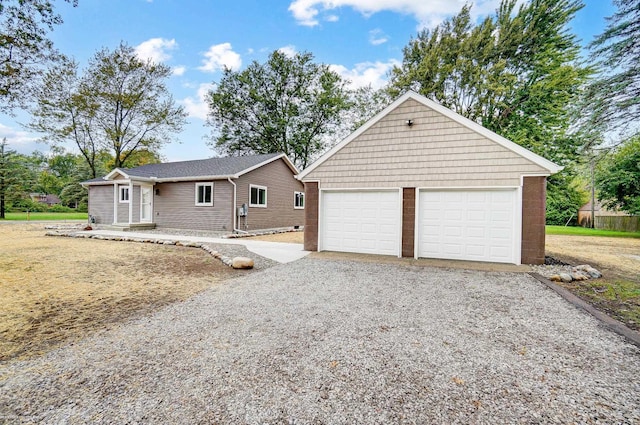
(613, 99)
(284, 105)
(618, 177)
(17, 178)
(120, 104)
(25, 49)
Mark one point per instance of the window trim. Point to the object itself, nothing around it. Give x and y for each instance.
(252, 186)
(121, 189)
(197, 192)
(295, 198)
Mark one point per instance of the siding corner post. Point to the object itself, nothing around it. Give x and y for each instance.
(131, 200)
(115, 202)
(408, 221)
(534, 193)
(312, 198)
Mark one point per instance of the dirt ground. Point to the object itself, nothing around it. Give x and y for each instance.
(290, 237)
(618, 257)
(617, 293)
(56, 289)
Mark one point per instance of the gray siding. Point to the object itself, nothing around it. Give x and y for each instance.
(281, 185)
(174, 206)
(123, 208)
(101, 203)
(435, 152)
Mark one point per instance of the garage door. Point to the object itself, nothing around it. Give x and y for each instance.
(360, 221)
(468, 225)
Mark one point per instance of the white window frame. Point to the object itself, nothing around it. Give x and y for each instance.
(204, 204)
(255, 186)
(121, 191)
(295, 199)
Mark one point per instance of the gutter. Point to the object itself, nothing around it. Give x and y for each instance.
(235, 205)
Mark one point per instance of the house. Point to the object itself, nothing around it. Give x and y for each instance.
(44, 198)
(607, 219)
(217, 194)
(419, 180)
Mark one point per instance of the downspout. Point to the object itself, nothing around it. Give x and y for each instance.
(235, 207)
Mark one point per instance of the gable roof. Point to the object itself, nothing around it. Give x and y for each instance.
(211, 168)
(514, 147)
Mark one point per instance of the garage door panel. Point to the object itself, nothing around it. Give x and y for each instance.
(365, 221)
(475, 225)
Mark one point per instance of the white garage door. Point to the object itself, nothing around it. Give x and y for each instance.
(468, 225)
(361, 221)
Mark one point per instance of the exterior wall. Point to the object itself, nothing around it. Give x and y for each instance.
(101, 203)
(174, 206)
(311, 198)
(408, 221)
(534, 192)
(123, 208)
(281, 185)
(434, 152)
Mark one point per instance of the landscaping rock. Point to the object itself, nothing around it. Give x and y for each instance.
(242, 263)
(566, 277)
(555, 278)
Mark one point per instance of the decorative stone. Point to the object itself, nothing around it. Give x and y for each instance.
(242, 263)
(566, 277)
(555, 278)
(579, 276)
(594, 273)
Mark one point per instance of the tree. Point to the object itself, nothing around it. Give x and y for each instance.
(120, 104)
(17, 177)
(24, 47)
(614, 97)
(284, 105)
(515, 73)
(618, 177)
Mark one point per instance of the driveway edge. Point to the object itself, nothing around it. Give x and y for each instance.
(608, 321)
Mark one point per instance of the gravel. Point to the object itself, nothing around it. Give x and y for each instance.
(319, 341)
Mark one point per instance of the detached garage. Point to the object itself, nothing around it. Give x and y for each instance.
(419, 180)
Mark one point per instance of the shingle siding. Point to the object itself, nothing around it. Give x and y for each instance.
(174, 206)
(281, 185)
(434, 152)
(101, 203)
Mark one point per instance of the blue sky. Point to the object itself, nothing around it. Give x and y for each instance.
(361, 39)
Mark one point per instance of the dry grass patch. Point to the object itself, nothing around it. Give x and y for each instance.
(56, 289)
(289, 237)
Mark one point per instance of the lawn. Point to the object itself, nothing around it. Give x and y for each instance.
(36, 216)
(56, 289)
(583, 231)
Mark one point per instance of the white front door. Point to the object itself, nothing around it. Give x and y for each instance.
(361, 221)
(145, 204)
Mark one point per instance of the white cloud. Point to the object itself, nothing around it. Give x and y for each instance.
(20, 141)
(156, 49)
(220, 56)
(197, 107)
(289, 50)
(332, 18)
(427, 12)
(179, 70)
(366, 73)
(377, 37)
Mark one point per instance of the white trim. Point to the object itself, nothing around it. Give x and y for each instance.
(281, 156)
(295, 198)
(199, 185)
(525, 153)
(251, 186)
(121, 189)
(517, 228)
(116, 171)
(130, 202)
(116, 194)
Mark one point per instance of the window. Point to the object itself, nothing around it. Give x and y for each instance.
(257, 196)
(124, 194)
(204, 194)
(298, 200)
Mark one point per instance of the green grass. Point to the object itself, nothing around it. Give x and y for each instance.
(45, 216)
(583, 231)
(620, 298)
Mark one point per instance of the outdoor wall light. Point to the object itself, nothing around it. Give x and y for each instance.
(409, 123)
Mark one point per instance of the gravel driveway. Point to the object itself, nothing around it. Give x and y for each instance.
(320, 341)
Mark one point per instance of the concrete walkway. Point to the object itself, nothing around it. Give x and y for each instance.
(276, 251)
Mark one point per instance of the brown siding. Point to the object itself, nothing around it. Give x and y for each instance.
(101, 203)
(434, 152)
(533, 220)
(311, 197)
(278, 178)
(174, 206)
(408, 220)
